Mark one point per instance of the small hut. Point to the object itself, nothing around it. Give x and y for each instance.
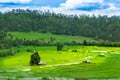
(102, 54)
(87, 61)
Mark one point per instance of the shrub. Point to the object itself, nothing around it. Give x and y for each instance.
(59, 46)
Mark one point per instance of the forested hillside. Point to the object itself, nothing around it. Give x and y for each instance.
(101, 27)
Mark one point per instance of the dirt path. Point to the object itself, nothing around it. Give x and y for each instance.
(66, 64)
(100, 51)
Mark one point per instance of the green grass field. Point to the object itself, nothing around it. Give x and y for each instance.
(64, 63)
(47, 36)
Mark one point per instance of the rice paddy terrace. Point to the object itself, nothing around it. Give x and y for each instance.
(68, 63)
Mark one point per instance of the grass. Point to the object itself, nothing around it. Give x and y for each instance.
(47, 36)
(100, 67)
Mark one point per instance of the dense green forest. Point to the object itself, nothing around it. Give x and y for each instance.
(103, 28)
(100, 27)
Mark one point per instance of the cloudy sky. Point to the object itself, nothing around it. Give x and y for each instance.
(89, 7)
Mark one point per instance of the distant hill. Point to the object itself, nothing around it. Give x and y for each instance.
(101, 27)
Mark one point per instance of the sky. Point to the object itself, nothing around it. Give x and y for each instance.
(72, 7)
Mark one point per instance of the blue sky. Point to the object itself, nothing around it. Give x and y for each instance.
(97, 7)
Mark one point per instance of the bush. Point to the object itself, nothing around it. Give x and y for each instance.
(74, 50)
(59, 46)
(29, 50)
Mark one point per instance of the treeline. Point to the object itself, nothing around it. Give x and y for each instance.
(8, 43)
(101, 27)
(102, 43)
(7, 53)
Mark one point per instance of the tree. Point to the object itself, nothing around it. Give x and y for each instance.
(35, 59)
(85, 43)
(3, 34)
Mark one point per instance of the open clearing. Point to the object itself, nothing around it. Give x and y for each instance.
(46, 37)
(64, 63)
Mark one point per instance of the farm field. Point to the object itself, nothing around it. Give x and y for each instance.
(46, 37)
(66, 63)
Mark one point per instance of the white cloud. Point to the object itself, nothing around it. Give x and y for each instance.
(72, 4)
(110, 11)
(69, 6)
(112, 6)
(15, 1)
